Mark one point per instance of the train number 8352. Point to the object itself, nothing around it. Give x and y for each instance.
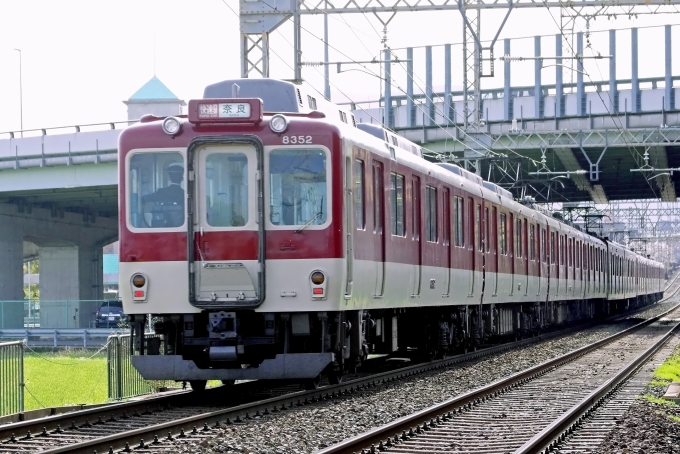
(296, 139)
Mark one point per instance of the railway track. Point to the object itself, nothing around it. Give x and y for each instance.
(530, 412)
(190, 416)
(193, 415)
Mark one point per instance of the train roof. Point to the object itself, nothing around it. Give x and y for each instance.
(287, 97)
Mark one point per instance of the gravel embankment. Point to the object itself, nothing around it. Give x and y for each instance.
(646, 427)
(308, 428)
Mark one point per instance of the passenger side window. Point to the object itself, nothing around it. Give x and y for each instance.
(459, 221)
(359, 217)
(397, 204)
(518, 238)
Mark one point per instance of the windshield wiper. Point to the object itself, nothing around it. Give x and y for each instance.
(316, 216)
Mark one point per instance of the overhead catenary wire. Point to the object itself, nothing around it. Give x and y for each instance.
(482, 147)
(630, 147)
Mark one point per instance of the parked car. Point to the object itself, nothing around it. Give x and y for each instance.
(110, 314)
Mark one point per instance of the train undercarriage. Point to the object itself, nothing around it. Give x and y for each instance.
(229, 345)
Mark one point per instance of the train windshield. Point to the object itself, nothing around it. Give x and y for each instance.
(297, 187)
(156, 190)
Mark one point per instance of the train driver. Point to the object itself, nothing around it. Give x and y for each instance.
(168, 210)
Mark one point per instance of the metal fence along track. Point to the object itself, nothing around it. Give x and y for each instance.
(11, 378)
(123, 379)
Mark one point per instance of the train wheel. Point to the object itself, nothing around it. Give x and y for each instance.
(336, 377)
(198, 385)
(312, 383)
(228, 382)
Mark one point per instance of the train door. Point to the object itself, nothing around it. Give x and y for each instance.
(512, 246)
(541, 259)
(471, 244)
(554, 262)
(226, 224)
(415, 238)
(353, 175)
(525, 254)
(494, 247)
(379, 227)
(446, 240)
(534, 263)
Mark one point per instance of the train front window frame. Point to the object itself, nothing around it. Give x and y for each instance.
(151, 175)
(299, 189)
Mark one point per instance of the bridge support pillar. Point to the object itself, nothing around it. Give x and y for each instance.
(70, 285)
(635, 82)
(538, 87)
(669, 98)
(11, 275)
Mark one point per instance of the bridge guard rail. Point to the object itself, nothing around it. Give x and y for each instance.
(11, 378)
(123, 379)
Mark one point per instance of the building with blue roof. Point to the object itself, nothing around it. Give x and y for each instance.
(154, 98)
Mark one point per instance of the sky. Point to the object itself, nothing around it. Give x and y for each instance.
(80, 59)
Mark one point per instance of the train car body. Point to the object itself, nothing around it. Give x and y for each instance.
(271, 237)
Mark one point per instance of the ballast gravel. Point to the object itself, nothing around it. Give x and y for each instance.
(315, 426)
(646, 427)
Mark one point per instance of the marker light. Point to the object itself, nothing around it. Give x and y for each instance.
(318, 277)
(171, 125)
(278, 123)
(138, 280)
(139, 294)
(318, 291)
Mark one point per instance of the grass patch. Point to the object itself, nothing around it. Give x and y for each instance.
(64, 378)
(658, 383)
(658, 400)
(669, 370)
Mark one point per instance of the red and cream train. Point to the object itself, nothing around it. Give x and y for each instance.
(271, 237)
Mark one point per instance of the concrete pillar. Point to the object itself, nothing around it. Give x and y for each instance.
(11, 275)
(580, 87)
(669, 99)
(538, 88)
(59, 286)
(507, 92)
(429, 93)
(613, 91)
(410, 106)
(70, 285)
(387, 116)
(448, 104)
(635, 82)
(559, 78)
(91, 282)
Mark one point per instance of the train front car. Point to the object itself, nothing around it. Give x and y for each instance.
(232, 239)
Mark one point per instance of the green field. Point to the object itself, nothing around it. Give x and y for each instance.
(64, 378)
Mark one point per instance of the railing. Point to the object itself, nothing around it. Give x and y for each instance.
(43, 337)
(11, 378)
(123, 379)
(53, 314)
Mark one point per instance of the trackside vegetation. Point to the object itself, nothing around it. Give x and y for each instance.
(67, 377)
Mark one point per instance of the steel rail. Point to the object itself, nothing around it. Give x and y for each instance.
(374, 438)
(83, 417)
(566, 424)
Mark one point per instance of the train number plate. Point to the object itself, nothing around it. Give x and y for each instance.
(296, 139)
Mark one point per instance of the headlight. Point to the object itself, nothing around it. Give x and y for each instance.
(318, 277)
(171, 125)
(138, 280)
(278, 123)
